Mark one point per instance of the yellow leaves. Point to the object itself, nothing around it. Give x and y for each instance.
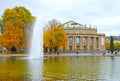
(18, 12)
(54, 36)
(8, 14)
(14, 22)
(13, 34)
(23, 14)
(60, 36)
(107, 44)
(47, 37)
(117, 45)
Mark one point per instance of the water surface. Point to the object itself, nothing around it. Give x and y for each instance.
(71, 68)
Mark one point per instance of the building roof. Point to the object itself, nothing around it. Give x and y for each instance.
(73, 24)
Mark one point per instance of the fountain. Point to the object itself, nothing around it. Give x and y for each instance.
(36, 51)
(36, 41)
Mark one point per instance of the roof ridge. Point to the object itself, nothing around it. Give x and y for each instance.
(72, 21)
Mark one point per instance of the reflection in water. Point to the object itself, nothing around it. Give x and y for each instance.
(55, 68)
(60, 69)
(35, 69)
(14, 69)
(109, 68)
(82, 68)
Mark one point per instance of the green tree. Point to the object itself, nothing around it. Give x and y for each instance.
(111, 44)
(1, 26)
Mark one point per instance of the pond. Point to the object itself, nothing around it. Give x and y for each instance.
(69, 68)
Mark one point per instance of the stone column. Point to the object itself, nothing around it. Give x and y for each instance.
(67, 46)
(94, 43)
(72, 43)
(81, 43)
(98, 43)
(88, 43)
(75, 43)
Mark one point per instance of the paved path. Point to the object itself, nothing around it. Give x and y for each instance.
(63, 54)
(7, 55)
(72, 54)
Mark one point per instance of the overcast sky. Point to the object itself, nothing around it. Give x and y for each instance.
(105, 14)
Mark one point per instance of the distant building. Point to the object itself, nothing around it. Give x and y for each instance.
(82, 38)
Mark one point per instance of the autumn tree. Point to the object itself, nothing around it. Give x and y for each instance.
(54, 36)
(1, 27)
(107, 44)
(13, 35)
(19, 12)
(16, 23)
(117, 45)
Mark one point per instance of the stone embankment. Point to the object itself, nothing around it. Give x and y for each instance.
(64, 54)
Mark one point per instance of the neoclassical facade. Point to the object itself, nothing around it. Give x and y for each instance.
(82, 38)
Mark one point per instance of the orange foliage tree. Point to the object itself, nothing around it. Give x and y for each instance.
(54, 36)
(13, 34)
(16, 23)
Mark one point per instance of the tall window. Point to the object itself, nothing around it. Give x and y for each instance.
(102, 41)
(70, 40)
(77, 40)
(91, 41)
(85, 40)
(97, 42)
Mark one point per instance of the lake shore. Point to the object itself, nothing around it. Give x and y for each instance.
(63, 54)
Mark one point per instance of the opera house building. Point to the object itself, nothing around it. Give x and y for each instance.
(82, 38)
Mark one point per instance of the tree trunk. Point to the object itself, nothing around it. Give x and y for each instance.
(50, 50)
(56, 50)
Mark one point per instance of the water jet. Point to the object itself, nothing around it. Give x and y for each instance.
(36, 41)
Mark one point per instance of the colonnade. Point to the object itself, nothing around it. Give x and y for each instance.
(84, 43)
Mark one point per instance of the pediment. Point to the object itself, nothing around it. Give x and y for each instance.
(72, 24)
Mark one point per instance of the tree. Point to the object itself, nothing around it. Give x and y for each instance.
(107, 44)
(16, 23)
(19, 12)
(13, 35)
(117, 45)
(111, 44)
(22, 14)
(54, 36)
(1, 27)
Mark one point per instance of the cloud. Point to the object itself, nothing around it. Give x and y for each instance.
(104, 14)
(108, 25)
(107, 21)
(58, 4)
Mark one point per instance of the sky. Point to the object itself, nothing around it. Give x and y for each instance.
(105, 14)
